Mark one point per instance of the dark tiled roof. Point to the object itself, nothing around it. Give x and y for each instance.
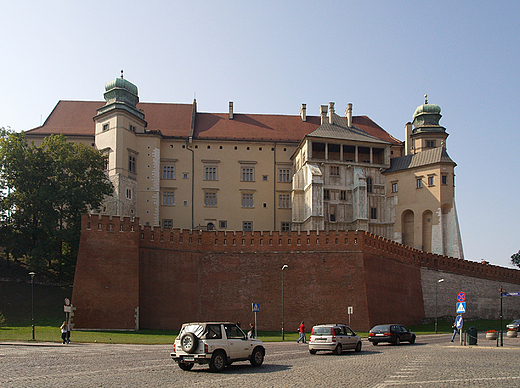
(424, 158)
(75, 118)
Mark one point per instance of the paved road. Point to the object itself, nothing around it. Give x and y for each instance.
(432, 362)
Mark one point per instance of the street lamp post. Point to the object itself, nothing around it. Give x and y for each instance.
(32, 303)
(283, 307)
(436, 292)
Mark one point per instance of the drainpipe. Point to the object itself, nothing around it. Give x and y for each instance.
(192, 178)
(274, 191)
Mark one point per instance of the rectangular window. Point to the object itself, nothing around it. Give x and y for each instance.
(373, 213)
(284, 201)
(286, 226)
(431, 181)
(430, 144)
(132, 128)
(248, 174)
(210, 173)
(128, 193)
(334, 170)
(419, 183)
(326, 194)
(284, 175)
(167, 224)
(131, 163)
(184, 175)
(222, 224)
(168, 172)
(210, 199)
(168, 198)
(394, 187)
(247, 226)
(343, 195)
(444, 179)
(247, 200)
(105, 127)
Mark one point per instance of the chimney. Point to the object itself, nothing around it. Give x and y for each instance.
(348, 114)
(331, 112)
(408, 139)
(303, 112)
(231, 110)
(323, 113)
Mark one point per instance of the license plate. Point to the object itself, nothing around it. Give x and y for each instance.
(189, 358)
(379, 335)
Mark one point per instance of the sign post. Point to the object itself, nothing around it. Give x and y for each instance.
(461, 309)
(256, 309)
(350, 311)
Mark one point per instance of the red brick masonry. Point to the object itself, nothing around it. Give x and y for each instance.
(129, 277)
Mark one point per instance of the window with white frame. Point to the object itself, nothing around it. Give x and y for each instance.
(394, 187)
(210, 199)
(106, 127)
(247, 200)
(286, 226)
(248, 174)
(419, 183)
(431, 180)
(168, 198)
(210, 173)
(284, 201)
(247, 226)
(168, 171)
(222, 224)
(284, 175)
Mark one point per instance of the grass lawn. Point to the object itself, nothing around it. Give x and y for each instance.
(52, 334)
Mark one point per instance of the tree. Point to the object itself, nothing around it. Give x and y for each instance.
(45, 189)
(515, 259)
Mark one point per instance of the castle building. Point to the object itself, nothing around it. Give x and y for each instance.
(175, 167)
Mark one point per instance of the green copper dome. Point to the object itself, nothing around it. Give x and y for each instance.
(121, 83)
(121, 94)
(427, 117)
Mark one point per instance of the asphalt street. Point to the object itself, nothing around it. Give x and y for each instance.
(433, 361)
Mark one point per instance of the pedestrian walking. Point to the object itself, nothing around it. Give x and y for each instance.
(251, 332)
(302, 333)
(64, 329)
(455, 331)
(68, 333)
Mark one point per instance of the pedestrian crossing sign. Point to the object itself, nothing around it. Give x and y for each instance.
(256, 307)
(461, 307)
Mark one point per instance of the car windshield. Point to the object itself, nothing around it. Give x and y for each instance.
(321, 330)
(381, 328)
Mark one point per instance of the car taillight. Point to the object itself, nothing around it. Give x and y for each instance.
(333, 338)
(371, 334)
(388, 333)
(205, 348)
(174, 348)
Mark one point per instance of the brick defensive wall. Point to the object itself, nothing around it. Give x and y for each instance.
(129, 277)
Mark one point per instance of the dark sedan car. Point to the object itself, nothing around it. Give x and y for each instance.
(393, 333)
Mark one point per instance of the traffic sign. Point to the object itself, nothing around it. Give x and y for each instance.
(461, 307)
(350, 310)
(256, 307)
(67, 302)
(459, 322)
(511, 294)
(461, 297)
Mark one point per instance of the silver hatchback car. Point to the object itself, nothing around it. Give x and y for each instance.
(334, 337)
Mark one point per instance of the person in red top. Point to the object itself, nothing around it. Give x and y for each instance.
(302, 333)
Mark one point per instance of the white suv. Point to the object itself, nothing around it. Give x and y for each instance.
(217, 344)
(333, 337)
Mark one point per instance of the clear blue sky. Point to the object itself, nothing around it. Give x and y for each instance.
(271, 56)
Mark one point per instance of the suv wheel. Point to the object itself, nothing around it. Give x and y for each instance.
(189, 342)
(218, 361)
(186, 365)
(257, 358)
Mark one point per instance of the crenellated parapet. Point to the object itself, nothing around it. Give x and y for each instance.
(292, 241)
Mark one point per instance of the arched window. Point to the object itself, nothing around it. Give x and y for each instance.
(211, 226)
